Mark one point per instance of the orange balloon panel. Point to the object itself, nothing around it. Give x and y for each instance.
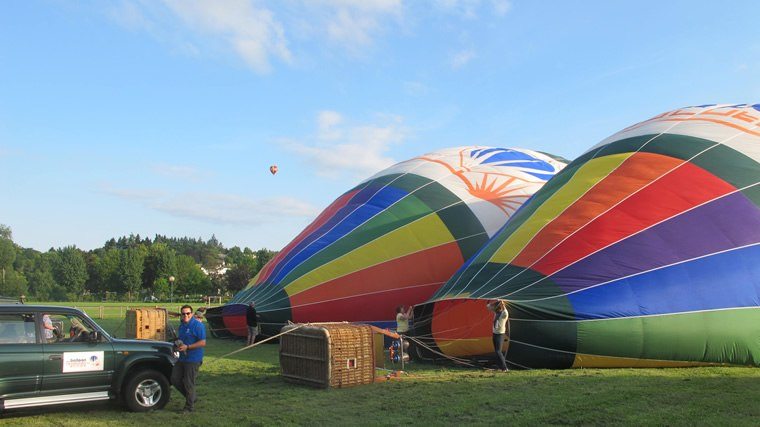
(462, 327)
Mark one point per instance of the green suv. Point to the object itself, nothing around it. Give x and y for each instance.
(57, 355)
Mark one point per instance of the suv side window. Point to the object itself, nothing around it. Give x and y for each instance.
(68, 328)
(17, 328)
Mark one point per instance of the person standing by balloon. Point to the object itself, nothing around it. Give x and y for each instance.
(402, 319)
(500, 318)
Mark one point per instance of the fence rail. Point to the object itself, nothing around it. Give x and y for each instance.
(118, 311)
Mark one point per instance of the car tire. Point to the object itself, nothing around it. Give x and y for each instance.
(148, 390)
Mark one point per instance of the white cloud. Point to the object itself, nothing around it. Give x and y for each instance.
(217, 208)
(187, 173)
(501, 7)
(129, 14)
(234, 209)
(133, 195)
(251, 32)
(355, 23)
(327, 122)
(263, 33)
(415, 88)
(464, 8)
(359, 150)
(469, 8)
(460, 59)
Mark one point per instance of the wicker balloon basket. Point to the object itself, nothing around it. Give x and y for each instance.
(146, 324)
(328, 354)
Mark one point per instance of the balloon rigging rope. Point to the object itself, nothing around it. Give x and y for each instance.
(417, 340)
(260, 342)
(452, 358)
(459, 360)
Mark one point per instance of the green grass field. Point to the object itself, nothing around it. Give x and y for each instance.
(246, 389)
(116, 310)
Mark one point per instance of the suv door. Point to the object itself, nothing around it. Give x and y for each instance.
(73, 363)
(20, 356)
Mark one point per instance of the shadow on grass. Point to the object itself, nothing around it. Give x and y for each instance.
(250, 392)
(246, 389)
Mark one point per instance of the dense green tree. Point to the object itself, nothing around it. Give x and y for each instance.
(263, 256)
(238, 276)
(190, 279)
(40, 276)
(160, 263)
(242, 267)
(13, 284)
(127, 242)
(217, 285)
(5, 232)
(234, 256)
(25, 259)
(130, 271)
(161, 288)
(127, 265)
(94, 280)
(104, 272)
(70, 270)
(211, 254)
(7, 252)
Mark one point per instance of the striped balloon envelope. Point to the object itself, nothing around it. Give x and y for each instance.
(392, 240)
(641, 252)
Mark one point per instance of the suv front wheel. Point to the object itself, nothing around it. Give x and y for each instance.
(146, 391)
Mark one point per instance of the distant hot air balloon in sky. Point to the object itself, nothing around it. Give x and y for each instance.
(644, 251)
(273, 169)
(393, 239)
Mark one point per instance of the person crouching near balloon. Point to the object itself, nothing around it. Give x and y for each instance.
(500, 318)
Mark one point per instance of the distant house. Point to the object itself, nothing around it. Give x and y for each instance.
(219, 271)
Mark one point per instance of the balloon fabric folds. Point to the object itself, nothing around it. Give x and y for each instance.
(392, 240)
(644, 251)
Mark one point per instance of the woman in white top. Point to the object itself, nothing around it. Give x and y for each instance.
(402, 319)
(500, 318)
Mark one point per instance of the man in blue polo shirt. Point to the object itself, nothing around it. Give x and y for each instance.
(192, 333)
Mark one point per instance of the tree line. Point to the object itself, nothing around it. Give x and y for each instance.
(127, 269)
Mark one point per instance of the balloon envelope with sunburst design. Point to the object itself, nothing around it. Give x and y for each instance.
(644, 251)
(394, 239)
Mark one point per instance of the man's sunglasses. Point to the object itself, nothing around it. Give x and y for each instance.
(187, 314)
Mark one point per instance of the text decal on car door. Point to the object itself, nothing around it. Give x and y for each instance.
(82, 361)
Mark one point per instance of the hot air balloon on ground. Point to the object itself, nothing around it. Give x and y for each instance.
(393, 239)
(644, 251)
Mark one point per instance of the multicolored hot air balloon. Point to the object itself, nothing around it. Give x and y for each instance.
(393, 239)
(273, 169)
(644, 251)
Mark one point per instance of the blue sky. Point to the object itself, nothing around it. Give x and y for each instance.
(164, 116)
